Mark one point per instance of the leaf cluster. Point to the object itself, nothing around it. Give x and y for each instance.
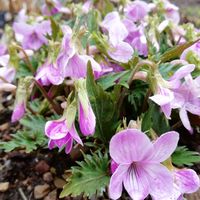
(30, 137)
(183, 156)
(89, 178)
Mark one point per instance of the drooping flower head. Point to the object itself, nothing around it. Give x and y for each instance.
(61, 136)
(87, 119)
(23, 90)
(139, 164)
(18, 111)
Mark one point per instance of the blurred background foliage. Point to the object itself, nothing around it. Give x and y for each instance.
(190, 9)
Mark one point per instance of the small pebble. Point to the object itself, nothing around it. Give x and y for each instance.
(59, 183)
(42, 167)
(47, 177)
(41, 191)
(4, 186)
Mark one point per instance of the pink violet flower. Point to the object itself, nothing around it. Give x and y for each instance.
(140, 170)
(77, 66)
(59, 135)
(70, 62)
(137, 10)
(18, 111)
(87, 120)
(49, 73)
(192, 54)
(136, 37)
(55, 8)
(7, 87)
(32, 36)
(3, 49)
(177, 95)
(87, 6)
(187, 99)
(171, 12)
(7, 74)
(165, 94)
(186, 181)
(119, 50)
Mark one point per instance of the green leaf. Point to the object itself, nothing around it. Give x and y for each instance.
(109, 80)
(38, 121)
(92, 21)
(55, 29)
(183, 156)
(175, 52)
(104, 105)
(137, 95)
(89, 178)
(155, 119)
(24, 140)
(23, 69)
(71, 113)
(30, 137)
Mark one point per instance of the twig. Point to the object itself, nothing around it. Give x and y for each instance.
(30, 66)
(177, 125)
(55, 106)
(21, 192)
(3, 79)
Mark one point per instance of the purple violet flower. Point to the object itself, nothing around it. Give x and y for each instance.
(71, 63)
(186, 181)
(137, 10)
(49, 73)
(6, 73)
(3, 49)
(7, 87)
(54, 7)
(60, 135)
(18, 112)
(187, 99)
(194, 51)
(32, 36)
(119, 50)
(173, 94)
(136, 37)
(171, 12)
(87, 120)
(140, 170)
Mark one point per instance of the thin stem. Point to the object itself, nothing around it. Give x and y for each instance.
(21, 192)
(177, 125)
(3, 79)
(55, 106)
(30, 66)
(136, 68)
